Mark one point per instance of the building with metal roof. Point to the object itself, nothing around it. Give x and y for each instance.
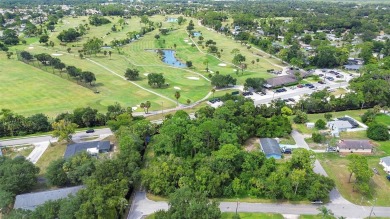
(270, 147)
(100, 146)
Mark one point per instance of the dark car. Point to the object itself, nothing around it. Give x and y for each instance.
(90, 131)
(321, 82)
(330, 78)
(388, 177)
(320, 75)
(291, 99)
(300, 85)
(287, 151)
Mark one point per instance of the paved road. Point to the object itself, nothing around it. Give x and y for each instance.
(47, 138)
(142, 206)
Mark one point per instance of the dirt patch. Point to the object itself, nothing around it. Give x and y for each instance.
(252, 144)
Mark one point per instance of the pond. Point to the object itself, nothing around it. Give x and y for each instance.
(170, 59)
(171, 19)
(197, 34)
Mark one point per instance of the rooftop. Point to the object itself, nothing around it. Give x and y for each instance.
(30, 201)
(386, 160)
(270, 146)
(355, 144)
(281, 80)
(339, 124)
(73, 149)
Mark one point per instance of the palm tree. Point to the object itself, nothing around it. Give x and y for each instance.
(324, 212)
(206, 62)
(148, 104)
(213, 91)
(177, 96)
(142, 105)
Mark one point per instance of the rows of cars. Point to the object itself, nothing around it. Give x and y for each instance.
(214, 100)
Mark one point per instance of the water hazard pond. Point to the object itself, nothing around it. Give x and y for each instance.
(169, 58)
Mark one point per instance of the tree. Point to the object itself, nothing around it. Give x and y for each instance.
(300, 117)
(157, 37)
(223, 80)
(148, 104)
(6, 199)
(317, 137)
(256, 84)
(63, 130)
(177, 96)
(213, 91)
(378, 132)
(17, 176)
(156, 80)
(239, 60)
(26, 55)
(10, 37)
(55, 173)
(131, 74)
(328, 116)
(110, 53)
(44, 39)
(189, 64)
(69, 35)
(325, 213)
(88, 77)
(320, 124)
(358, 166)
(9, 54)
(93, 46)
(187, 204)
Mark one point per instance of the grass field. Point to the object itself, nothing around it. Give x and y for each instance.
(383, 119)
(228, 215)
(53, 152)
(52, 94)
(336, 167)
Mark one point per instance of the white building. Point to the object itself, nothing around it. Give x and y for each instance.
(385, 162)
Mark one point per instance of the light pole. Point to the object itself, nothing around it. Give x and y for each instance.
(372, 208)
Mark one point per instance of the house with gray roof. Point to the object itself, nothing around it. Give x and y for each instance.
(338, 126)
(385, 162)
(354, 146)
(280, 81)
(270, 147)
(92, 147)
(30, 201)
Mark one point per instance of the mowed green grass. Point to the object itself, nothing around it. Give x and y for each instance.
(229, 215)
(29, 90)
(383, 119)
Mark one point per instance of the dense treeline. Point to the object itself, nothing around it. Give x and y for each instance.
(108, 182)
(17, 176)
(205, 155)
(12, 124)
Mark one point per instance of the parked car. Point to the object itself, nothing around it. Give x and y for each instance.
(300, 85)
(320, 75)
(316, 202)
(291, 99)
(280, 90)
(247, 93)
(330, 78)
(90, 131)
(388, 177)
(287, 151)
(322, 82)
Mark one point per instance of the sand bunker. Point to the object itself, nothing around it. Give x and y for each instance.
(193, 78)
(222, 64)
(234, 69)
(56, 54)
(134, 108)
(211, 72)
(185, 40)
(146, 74)
(177, 88)
(30, 47)
(189, 43)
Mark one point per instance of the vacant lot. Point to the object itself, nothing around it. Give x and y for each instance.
(53, 152)
(336, 167)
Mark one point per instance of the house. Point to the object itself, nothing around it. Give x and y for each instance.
(92, 147)
(339, 125)
(354, 146)
(385, 162)
(30, 201)
(270, 147)
(352, 67)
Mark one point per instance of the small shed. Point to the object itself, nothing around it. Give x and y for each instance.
(270, 147)
(310, 125)
(385, 162)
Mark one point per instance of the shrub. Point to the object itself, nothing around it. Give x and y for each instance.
(320, 124)
(378, 132)
(368, 116)
(300, 117)
(317, 137)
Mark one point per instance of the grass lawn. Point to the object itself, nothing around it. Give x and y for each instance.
(53, 152)
(383, 119)
(352, 113)
(310, 217)
(336, 167)
(287, 140)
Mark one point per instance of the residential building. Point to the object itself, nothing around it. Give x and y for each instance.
(354, 146)
(30, 201)
(385, 162)
(270, 147)
(92, 147)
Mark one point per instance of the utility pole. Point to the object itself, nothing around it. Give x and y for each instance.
(372, 209)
